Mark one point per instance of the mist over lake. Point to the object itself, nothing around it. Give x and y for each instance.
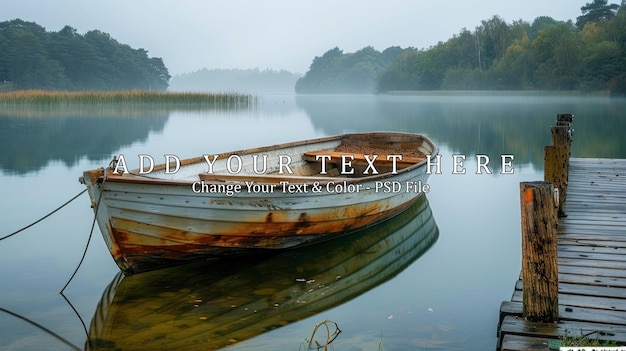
(448, 295)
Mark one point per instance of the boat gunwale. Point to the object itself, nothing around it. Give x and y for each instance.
(134, 176)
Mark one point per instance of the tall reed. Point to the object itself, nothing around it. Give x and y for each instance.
(133, 97)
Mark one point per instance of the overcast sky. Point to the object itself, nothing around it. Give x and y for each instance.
(275, 34)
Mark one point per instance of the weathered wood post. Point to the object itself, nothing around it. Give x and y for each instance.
(564, 119)
(556, 161)
(556, 165)
(562, 132)
(540, 279)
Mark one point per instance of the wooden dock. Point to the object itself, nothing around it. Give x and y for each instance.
(591, 247)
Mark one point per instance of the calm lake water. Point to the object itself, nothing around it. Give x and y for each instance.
(445, 294)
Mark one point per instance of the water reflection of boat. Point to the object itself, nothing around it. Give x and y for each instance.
(266, 198)
(210, 305)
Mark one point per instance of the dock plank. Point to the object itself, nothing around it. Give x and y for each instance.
(572, 313)
(591, 251)
(565, 248)
(582, 289)
(592, 242)
(593, 272)
(512, 342)
(519, 326)
(586, 301)
(592, 280)
(612, 255)
(581, 262)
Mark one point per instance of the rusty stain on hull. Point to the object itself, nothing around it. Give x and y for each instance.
(140, 252)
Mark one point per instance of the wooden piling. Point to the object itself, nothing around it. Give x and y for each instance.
(556, 165)
(556, 161)
(539, 252)
(564, 119)
(561, 136)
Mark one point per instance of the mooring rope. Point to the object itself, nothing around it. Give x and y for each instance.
(73, 274)
(44, 217)
(93, 224)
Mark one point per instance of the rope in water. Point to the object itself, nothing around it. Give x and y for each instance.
(93, 224)
(50, 214)
(44, 217)
(65, 341)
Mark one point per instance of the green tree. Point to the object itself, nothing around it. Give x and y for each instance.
(402, 73)
(320, 73)
(518, 67)
(497, 37)
(546, 54)
(31, 58)
(339, 72)
(558, 52)
(390, 54)
(596, 11)
(602, 61)
(463, 50)
(24, 60)
(541, 23)
(75, 55)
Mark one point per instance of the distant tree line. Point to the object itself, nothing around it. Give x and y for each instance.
(587, 55)
(33, 58)
(339, 72)
(253, 81)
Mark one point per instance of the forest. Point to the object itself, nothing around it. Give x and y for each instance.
(545, 54)
(586, 55)
(33, 58)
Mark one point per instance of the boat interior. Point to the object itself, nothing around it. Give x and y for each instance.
(343, 158)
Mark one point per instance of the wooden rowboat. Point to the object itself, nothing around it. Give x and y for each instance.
(210, 305)
(272, 197)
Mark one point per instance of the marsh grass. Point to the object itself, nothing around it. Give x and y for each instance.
(125, 98)
(584, 340)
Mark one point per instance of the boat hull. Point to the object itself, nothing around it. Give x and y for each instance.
(209, 306)
(150, 223)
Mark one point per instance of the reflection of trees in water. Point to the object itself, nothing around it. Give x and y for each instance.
(31, 139)
(32, 136)
(466, 123)
(479, 123)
